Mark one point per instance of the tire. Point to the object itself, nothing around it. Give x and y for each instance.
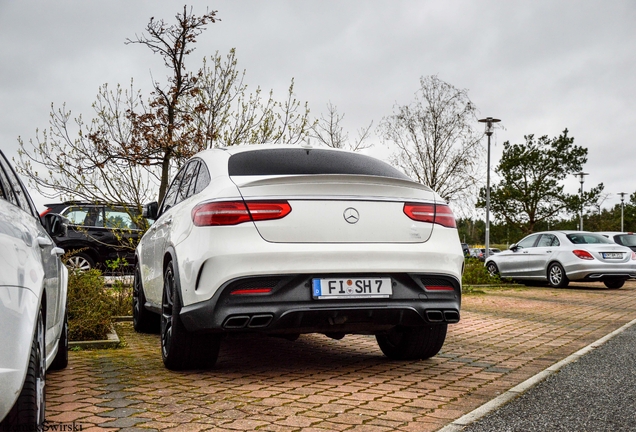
(412, 343)
(492, 269)
(61, 358)
(557, 277)
(613, 283)
(144, 321)
(181, 349)
(80, 262)
(28, 411)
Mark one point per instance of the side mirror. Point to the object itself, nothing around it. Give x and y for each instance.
(513, 247)
(56, 225)
(150, 210)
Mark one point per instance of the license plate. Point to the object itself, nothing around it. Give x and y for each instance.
(352, 288)
(612, 255)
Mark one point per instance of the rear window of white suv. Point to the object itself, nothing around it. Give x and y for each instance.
(308, 161)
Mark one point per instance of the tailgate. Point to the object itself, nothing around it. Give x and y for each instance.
(338, 208)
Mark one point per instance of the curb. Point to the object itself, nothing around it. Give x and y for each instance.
(111, 341)
(499, 401)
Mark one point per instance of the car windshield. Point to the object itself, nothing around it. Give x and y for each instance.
(308, 161)
(627, 239)
(587, 238)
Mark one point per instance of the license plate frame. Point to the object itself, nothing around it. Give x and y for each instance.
(351, 288)
(612, 255)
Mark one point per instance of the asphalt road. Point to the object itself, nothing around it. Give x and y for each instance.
(595, 393)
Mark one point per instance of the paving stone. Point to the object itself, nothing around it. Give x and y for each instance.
(317, 384)
(124, 422)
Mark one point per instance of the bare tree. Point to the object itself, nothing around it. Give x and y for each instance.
(435, 140)
(132, 145)
(65, 162)
(328, 130)
(232, 116)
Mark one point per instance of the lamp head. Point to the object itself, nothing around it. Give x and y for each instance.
(489, 122)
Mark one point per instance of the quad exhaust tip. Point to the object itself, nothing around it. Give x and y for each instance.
(438, 316)
(248, 321)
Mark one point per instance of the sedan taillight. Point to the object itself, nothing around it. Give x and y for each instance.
(237, 212)
(432, 213)
(583, 254)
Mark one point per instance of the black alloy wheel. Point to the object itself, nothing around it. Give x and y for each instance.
(144, 321)
(412, 343)
(181, 349)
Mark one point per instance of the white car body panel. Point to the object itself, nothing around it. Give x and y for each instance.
(29, 265)
(319, 201)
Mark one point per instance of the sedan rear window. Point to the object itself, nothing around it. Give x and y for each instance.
(587, 238)
(308, 161)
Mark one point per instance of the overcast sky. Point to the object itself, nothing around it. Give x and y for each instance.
(541, 66)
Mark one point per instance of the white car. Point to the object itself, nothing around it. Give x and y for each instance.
(33, 284)
(622, 238)
(285, 240)
(559, 257)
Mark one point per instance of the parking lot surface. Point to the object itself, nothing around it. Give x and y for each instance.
(318, 384)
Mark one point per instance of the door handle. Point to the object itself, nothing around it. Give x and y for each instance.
(56, 251)
(548, 251)
(44, 242)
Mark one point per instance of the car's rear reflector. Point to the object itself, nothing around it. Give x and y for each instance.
(440, 214)
(583, 254)
(439, 288)
(237, 212)
(251, 291)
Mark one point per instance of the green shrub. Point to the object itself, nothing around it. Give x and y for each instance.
(120, 292)
(90, 306)
(476, 274)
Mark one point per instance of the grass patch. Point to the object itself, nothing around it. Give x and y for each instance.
(475, 276)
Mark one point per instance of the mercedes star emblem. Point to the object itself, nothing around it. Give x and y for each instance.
(351, 215)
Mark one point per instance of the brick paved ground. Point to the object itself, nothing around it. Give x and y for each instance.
(319, 384)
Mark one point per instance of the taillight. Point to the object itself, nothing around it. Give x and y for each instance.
(583, 254)
(432, 213)
(633, 256)
(236, 212)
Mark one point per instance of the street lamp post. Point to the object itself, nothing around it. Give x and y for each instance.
(489, 130)
(581, 180)
(622, 194)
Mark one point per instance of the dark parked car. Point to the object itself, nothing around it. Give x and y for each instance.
(480, 253)
(98, 233)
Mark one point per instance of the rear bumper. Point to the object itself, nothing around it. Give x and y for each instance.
(290, 309)
(601, 272)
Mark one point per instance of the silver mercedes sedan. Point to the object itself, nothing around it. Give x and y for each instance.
(558, 257)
